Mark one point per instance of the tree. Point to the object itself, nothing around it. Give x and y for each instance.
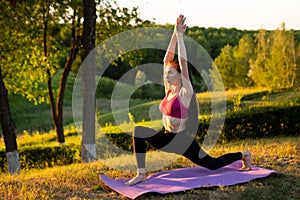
(234, 63)
(297, 80)
(275, 64)
(113, 20)
(89, 89)
(48, 15)
(282, 61)
(57, 110)
(8, 129)
(36, 52)
(20, 57)
(226, 65)
(243, 53)
(8, 46)
(259, 72)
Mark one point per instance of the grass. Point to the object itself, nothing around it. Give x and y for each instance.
(81, 181)
(253, 97)
(32, 118)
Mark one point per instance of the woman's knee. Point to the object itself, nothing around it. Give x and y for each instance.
(138, 131)
(206, 161)
(143, 132)
(210, 162)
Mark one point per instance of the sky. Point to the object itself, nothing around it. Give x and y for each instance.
(240, 14)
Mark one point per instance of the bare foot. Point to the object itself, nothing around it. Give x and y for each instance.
(137, 179)
(246, 160)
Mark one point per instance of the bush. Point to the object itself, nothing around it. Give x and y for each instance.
(262, 122)
(106, 87)
(258, 122)
(255, 95)
(149, 91)
(42, 157)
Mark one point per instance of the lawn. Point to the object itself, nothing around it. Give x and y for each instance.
(81, 181)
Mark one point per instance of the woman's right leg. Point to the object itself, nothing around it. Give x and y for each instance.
(141, 134)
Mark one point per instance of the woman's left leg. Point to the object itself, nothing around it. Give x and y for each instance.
(197, 155)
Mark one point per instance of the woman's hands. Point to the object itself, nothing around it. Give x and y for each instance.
(180, 25)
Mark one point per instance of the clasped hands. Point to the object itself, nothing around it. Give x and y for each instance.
(180, 25)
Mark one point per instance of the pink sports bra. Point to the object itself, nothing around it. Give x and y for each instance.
(173, 107)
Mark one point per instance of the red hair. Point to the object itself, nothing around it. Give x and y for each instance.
(174, 64)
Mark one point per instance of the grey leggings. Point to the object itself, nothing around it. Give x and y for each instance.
(180, 143)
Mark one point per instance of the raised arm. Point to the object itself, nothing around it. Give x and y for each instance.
(182, 58)
(169, 56)
(171, 49)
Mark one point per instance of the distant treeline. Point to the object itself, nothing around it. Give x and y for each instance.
(244, 58)
(31, 53)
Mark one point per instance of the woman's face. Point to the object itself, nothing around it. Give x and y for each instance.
(172, 76)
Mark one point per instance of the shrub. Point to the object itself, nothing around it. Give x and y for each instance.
(42, 157)
(262, 122)
(259, 122)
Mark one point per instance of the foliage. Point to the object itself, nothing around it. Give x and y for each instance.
(31, 117)
(276, 59)
(42, 157)
(22, 61)
(261, 122)
(270, 60)
(233, 63)
(243, 52)
(237, 102)
(276, 117)
(214, 39)
(114, 20)
(106, 86)
(40, 47)
(226, 65)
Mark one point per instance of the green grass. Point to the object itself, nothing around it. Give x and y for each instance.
(32, 118)
(251, 97)
(254, 97)
(44, 139)
(81, 181)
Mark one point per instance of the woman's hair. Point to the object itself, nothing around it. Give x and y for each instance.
(192, 121)
(174, 64)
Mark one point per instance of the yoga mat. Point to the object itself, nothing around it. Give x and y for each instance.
(186, 178)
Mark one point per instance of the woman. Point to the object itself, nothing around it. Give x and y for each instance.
(175, 108)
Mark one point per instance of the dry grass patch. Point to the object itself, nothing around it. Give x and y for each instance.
(81, 181)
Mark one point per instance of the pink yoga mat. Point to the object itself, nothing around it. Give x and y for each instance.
(186, 178)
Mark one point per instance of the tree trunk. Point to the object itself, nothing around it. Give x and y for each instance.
(57, 123)
(88, 124)
(294, 58)
(63, 82)
(57, 107)
(8, 129)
